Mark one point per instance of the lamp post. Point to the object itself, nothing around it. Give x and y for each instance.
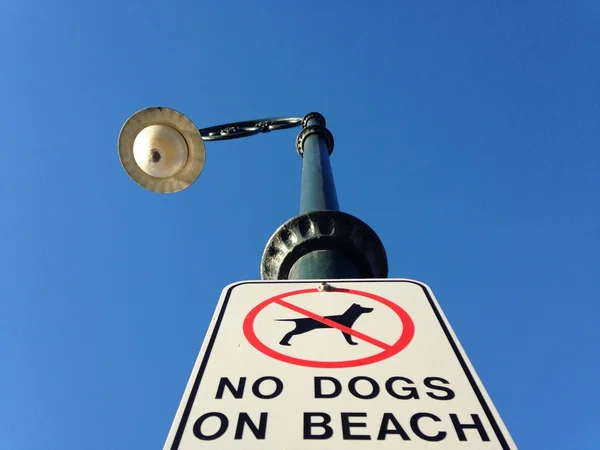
(163, 151)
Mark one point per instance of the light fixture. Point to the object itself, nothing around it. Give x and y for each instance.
(161, 150)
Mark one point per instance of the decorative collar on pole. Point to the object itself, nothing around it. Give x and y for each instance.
(308, 130)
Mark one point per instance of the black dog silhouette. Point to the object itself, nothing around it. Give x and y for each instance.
(306, 324)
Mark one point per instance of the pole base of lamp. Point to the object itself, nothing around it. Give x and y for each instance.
(355, 246)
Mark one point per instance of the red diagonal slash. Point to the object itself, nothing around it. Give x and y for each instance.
(332, 324)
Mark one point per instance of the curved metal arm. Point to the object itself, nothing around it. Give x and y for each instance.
(248, 128)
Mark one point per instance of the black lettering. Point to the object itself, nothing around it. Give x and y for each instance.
(459, 427)
(346, 425)
(449, 392)
(337, 387)
(258, 432)
(309, 425)
(236, 392)
(414, 425)
(374, 388)
(412, 391)
(222, 428)
(276, 392)
(384, 430)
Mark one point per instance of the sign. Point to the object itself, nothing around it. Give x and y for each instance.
(366, 364)
(315, 321)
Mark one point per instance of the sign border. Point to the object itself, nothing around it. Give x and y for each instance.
(459, 355)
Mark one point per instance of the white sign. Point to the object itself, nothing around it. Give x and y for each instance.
(366, 364)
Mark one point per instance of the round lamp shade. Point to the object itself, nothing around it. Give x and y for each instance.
(161, 150)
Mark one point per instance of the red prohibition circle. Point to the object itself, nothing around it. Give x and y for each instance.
(408, 331)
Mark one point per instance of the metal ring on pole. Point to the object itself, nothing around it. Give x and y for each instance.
(314, 116)
(313, 129)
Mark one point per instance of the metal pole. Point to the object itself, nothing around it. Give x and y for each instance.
(318, 188)
(321, 243)
(318, 194)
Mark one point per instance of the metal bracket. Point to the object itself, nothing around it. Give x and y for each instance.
(248, 128)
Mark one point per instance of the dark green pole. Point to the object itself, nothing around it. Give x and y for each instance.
(322, 243)
(318, 188)
(318, 194)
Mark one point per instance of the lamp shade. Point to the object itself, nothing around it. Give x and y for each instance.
(161, 150)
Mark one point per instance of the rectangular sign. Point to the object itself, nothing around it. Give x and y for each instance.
(360, 364)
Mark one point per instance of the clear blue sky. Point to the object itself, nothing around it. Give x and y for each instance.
(467, 135)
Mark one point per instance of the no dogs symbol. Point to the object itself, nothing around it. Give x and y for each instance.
(363, 328)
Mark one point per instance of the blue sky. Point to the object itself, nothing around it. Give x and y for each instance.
(467, 136)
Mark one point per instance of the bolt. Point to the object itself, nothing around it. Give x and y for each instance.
(155, 156)
(325, 287)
